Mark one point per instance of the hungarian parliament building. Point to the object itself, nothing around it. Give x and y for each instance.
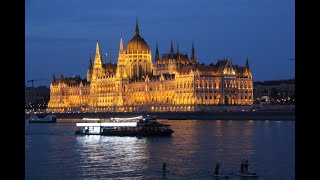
(170, 83)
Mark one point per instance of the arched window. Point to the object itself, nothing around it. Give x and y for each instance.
(140, 71)
(135, 70)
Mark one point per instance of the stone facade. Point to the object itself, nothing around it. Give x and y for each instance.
(137, 84)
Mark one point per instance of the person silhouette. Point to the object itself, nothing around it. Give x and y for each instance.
(242, 166)
(216, 170)
(164, 166)
(246, 165)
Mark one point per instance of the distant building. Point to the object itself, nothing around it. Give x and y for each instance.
(173, 82)
(37, 97)
(276, 91)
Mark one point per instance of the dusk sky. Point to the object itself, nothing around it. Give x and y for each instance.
(61, 34)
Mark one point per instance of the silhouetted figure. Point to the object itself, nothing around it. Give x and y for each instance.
(242, 166)
(164, 166)
(216, 170)
(246, 165)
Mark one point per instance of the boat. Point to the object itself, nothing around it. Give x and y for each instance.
(144, 118)
(220, 175)
(130, 126)
(48, 119)
(246, 174)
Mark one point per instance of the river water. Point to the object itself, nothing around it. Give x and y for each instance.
(53, 151)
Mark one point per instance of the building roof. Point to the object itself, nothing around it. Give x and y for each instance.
(110, 68)
(72, 81)
(137, 44)
(180, 58)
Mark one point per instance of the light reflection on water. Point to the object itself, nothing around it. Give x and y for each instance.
(110, 155)
(54, 152)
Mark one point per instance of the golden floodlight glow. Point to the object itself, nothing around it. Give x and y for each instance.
(136, 83)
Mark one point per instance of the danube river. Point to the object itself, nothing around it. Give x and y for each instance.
(53, 151)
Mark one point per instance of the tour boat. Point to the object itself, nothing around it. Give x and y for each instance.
(48, 119)
(130, 126)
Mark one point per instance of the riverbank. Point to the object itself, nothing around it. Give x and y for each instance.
(257, 115)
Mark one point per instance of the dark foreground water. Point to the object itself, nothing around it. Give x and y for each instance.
(53, 151)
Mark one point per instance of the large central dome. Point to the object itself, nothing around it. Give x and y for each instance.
(137, 44)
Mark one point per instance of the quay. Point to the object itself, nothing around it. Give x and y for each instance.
(246, 115)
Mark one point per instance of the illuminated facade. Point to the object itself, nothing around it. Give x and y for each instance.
(136, 83)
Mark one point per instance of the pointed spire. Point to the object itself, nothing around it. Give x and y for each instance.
(177, 48)
(61, 77)
(97, 50)
(178, 53)
(90, 63)
(171, 51)
(247, 62)
(137, 27)
(54, 78)
(121, 44)
(156, 59)
(193, 56)
(247, 70)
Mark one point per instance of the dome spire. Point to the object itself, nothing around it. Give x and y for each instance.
(137, 44)
(137, 26)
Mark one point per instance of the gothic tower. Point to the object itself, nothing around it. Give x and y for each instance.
(121, 67)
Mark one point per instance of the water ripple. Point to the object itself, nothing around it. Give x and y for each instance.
(54, 152)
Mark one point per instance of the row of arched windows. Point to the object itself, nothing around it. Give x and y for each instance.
(207, 84)
(185, 84)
